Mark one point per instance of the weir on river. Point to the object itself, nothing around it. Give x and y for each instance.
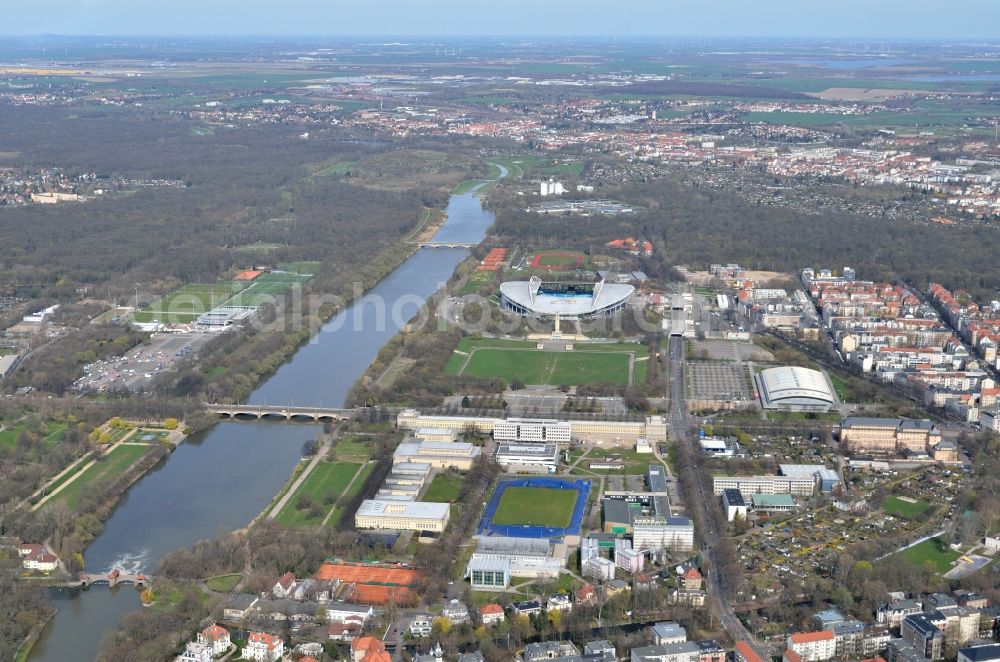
(219, 480)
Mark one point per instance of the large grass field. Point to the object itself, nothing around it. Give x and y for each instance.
(327, 481)
(359, 482)
(509, 359)
(554, 368)
(444, 488)
(351, 449)
(106, 470)
(536, 506)
(184, 304)
(933, 551)
(634, 463)
(8, 437)
(901, 508)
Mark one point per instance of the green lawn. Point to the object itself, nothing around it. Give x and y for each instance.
(327, 481)
(634, 463)
(933, 551)
(352, 449)
(110, 467)
(443, 488)
(306, 267)
(186, 303)
(554, 368)
(335, 169)
(466, 186)
(355, 488)
(9, 436)
(536, 506)
(900, 508)
(223, 583)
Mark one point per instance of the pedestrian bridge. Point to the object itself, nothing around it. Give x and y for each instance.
(114, 578)
(448, 244)
(280, 411)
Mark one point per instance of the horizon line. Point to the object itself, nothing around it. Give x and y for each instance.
(429, 35)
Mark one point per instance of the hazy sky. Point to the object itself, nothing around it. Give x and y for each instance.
(822, 18)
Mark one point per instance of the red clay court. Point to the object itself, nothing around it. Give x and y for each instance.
(249, 274)
(368, 574)
(556, 260)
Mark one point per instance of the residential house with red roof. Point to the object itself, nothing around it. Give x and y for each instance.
(263, 647)
(491, 613)
(217, 637)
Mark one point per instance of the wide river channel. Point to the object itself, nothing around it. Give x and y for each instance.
(219, 480)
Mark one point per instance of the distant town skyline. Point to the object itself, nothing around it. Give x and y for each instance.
(860, 19)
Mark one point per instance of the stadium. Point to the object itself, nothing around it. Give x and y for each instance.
(568, 300)
(532, 519)
(794, 388)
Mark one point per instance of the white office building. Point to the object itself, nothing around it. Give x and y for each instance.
(532, 429)
(675, 534)
(796, 485)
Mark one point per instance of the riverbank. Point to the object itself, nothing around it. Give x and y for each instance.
(25, 649)
(367, 277)
(229, 474)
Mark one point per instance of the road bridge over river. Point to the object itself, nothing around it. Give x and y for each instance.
(282, 411)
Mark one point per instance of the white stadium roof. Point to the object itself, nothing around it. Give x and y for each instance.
(526, 294)
(794, 387)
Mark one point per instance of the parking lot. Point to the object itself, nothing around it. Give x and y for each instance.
(137, 368)
(716, 380)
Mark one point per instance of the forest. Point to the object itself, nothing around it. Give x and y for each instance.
(695, 226)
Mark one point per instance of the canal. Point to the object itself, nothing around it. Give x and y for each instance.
(219, 480)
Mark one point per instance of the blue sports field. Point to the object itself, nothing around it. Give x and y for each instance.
(580, 486)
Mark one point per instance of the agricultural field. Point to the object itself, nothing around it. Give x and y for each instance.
(536, 506)
(904, 507)
(587, 364)
(107, 469)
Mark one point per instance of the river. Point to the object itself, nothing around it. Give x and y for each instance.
(219, 480)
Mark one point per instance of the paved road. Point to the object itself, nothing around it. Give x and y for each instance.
(697, 504)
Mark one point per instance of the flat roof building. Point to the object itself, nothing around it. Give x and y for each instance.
(775, 503)
(674, 534)
(826, 478)
(797, 485)
(734, 504)
(532, 429)
(438, 454)
(539, 458)
(402, 515)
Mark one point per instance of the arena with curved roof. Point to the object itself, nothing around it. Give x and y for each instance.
(538, 298)
(794, 388)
